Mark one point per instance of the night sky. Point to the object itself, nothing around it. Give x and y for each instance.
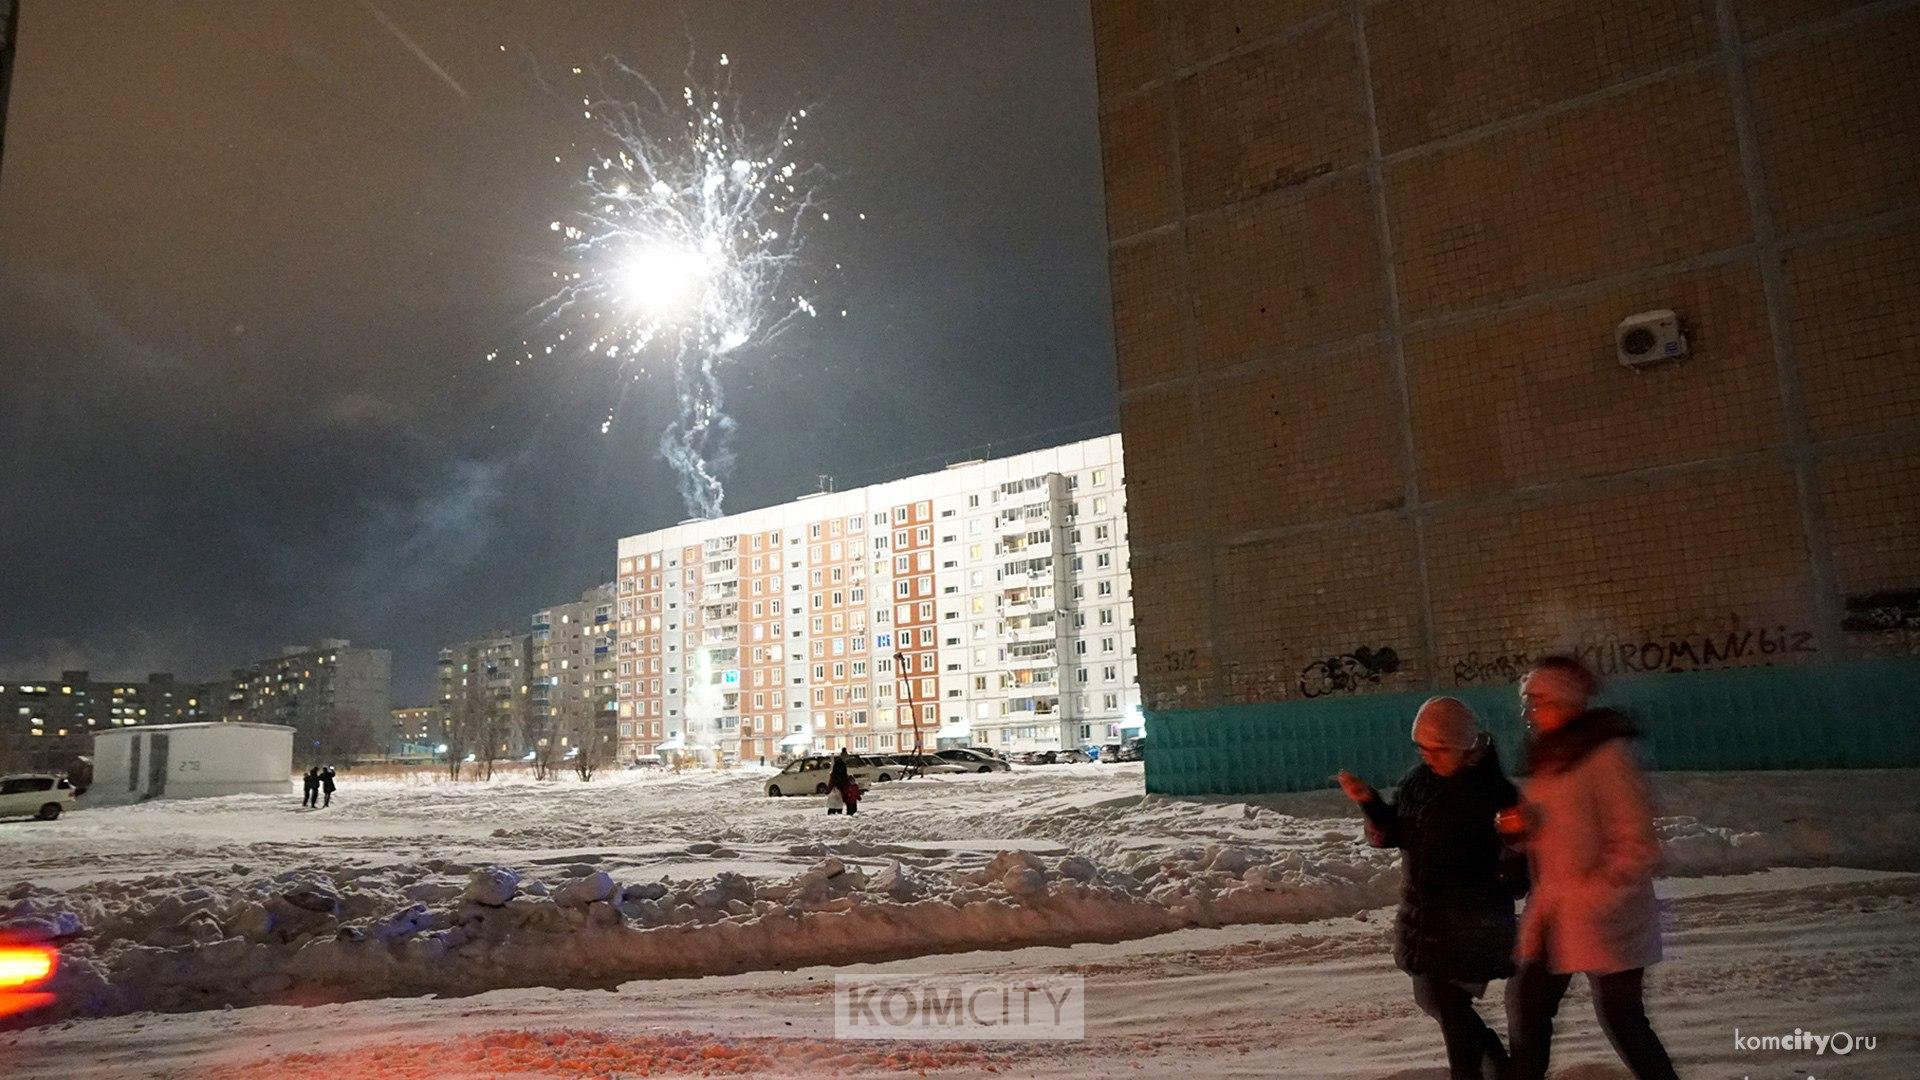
(252, 255)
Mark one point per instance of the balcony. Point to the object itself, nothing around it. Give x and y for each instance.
(1034, 631)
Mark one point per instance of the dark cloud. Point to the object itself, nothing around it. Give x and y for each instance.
(251, 256)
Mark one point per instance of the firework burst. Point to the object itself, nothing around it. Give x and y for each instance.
(683, 250)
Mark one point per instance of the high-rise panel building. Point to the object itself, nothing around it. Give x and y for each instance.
(485, 698)
(332, 694)
(985, 604)
(46, 723)
(571, 690)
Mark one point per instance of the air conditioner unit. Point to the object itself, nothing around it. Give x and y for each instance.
(1651, 337)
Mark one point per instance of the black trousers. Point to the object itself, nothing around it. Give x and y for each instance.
(311, 798)
(1533, 997)
(1473, 1050)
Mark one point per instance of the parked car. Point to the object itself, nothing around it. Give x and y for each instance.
(1074, 756)
(808, 775)
(975, 761)
(41, 795)
(1134, 749)
(930, 763)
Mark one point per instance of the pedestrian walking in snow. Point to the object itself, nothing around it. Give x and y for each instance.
(1589, 820)
(326, 785)
(851, 795)
(310, 787)
(1455, 930)
(837, 780)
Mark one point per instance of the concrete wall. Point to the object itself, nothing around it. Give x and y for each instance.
(1367, 260)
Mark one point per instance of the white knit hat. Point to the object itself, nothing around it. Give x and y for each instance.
(1446, 723)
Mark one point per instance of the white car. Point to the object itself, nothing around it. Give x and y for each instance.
(808, 775)
(974, 761)
(41, 795)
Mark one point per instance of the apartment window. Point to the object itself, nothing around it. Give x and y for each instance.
(923, 534)
(1100, 504)
(1104, 588)
(1110, 673)
(1106, 644)
(1103, 560)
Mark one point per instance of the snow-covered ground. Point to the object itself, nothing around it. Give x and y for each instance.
(402, 889)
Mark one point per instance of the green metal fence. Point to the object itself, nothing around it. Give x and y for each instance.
(1857, 715)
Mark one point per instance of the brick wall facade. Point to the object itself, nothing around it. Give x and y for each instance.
(1367, 260)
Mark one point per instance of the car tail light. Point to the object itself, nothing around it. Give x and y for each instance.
(23, 968)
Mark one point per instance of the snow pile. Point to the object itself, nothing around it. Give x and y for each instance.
(310, 935)
(669, 877)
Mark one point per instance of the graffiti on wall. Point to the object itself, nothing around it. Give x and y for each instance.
(1657, 654)
(1505, 668)
(1346, 673)
(1698, 652)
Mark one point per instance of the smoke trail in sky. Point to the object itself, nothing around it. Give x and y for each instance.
(684, 249)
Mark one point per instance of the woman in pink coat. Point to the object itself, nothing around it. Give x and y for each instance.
(1589, 822)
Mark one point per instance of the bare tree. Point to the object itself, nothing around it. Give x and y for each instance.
(341, 736)
(591, 746)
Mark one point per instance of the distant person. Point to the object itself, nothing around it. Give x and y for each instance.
(1454, 932)
(851, 796)
(840, 792)
(1589, 820)
(310, 788)
(326, 785)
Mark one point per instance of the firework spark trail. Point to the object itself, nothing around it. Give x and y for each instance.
(685, 250)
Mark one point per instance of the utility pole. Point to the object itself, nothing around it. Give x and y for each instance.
(906, 689)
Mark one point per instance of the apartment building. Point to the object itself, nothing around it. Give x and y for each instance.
(987, 603)
(571, 689)
(333, 692)
(1379, 268)
(46, 723)
(417, 729)
(484, 695)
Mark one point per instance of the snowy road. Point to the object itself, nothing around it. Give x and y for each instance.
(254, 903)
(1816, 949)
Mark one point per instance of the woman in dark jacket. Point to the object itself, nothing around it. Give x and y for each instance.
(1455, 929)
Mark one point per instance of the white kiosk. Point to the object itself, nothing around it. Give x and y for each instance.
(188, 761)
